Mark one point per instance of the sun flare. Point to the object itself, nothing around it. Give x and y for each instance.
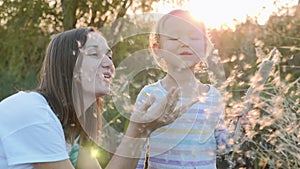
(220, 13)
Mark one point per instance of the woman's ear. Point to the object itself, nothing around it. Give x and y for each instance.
(155, 45)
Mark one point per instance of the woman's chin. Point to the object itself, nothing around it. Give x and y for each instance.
(102, 93)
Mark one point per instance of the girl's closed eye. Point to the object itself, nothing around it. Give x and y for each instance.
(196, 36)
(172, 38)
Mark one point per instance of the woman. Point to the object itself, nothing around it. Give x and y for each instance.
(36, 125)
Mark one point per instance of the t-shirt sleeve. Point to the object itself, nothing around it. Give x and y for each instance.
(42, 142)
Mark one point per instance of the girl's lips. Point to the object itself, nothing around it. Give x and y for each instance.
(185, 53)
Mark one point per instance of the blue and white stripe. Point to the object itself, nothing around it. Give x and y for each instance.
(192, 140)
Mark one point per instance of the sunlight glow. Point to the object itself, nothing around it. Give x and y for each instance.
(220, 13)
(94, 153)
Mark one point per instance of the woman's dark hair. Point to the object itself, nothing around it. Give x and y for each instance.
(57, 74)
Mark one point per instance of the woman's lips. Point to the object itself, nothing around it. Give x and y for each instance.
(106, 76)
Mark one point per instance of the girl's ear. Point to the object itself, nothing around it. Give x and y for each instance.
(153, 48)
(156, 49)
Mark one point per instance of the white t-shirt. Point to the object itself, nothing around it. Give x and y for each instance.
(30, 132)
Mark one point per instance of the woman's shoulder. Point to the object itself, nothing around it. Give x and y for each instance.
(24, 98)
(26, 108)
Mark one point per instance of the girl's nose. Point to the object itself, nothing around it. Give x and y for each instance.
(185, 42)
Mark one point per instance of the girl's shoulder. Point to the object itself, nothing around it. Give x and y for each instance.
(213, 91)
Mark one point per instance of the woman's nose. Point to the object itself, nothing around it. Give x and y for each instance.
(108, 63)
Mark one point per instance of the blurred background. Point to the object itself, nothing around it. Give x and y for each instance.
(244, 32)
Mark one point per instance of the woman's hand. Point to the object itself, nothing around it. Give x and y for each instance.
(143, 121)
(151, 116)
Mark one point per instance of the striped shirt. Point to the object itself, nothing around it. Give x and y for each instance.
(191, 141)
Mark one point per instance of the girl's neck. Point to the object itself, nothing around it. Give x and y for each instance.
(189, 86)
(180, 77)
(179, 80)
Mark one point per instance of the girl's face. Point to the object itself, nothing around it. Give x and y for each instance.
(181, 43)
(97, 67)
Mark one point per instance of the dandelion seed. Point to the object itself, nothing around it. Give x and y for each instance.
(202, 99)
(76, 77)
(225, 61)
(239, 75)
(241, 57)
(233, 58)
(79, 44)
(258, 43)
(288, 77)
(141, 130)
(247, 66)
(118, 120)
(293, 48)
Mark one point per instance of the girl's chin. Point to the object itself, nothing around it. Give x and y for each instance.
(187, 66)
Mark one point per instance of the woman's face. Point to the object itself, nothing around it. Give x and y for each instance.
(97, 69)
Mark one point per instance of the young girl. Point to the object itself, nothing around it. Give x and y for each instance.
(179, 45)
(36, 125)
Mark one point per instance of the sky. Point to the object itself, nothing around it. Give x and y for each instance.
(228, 12)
